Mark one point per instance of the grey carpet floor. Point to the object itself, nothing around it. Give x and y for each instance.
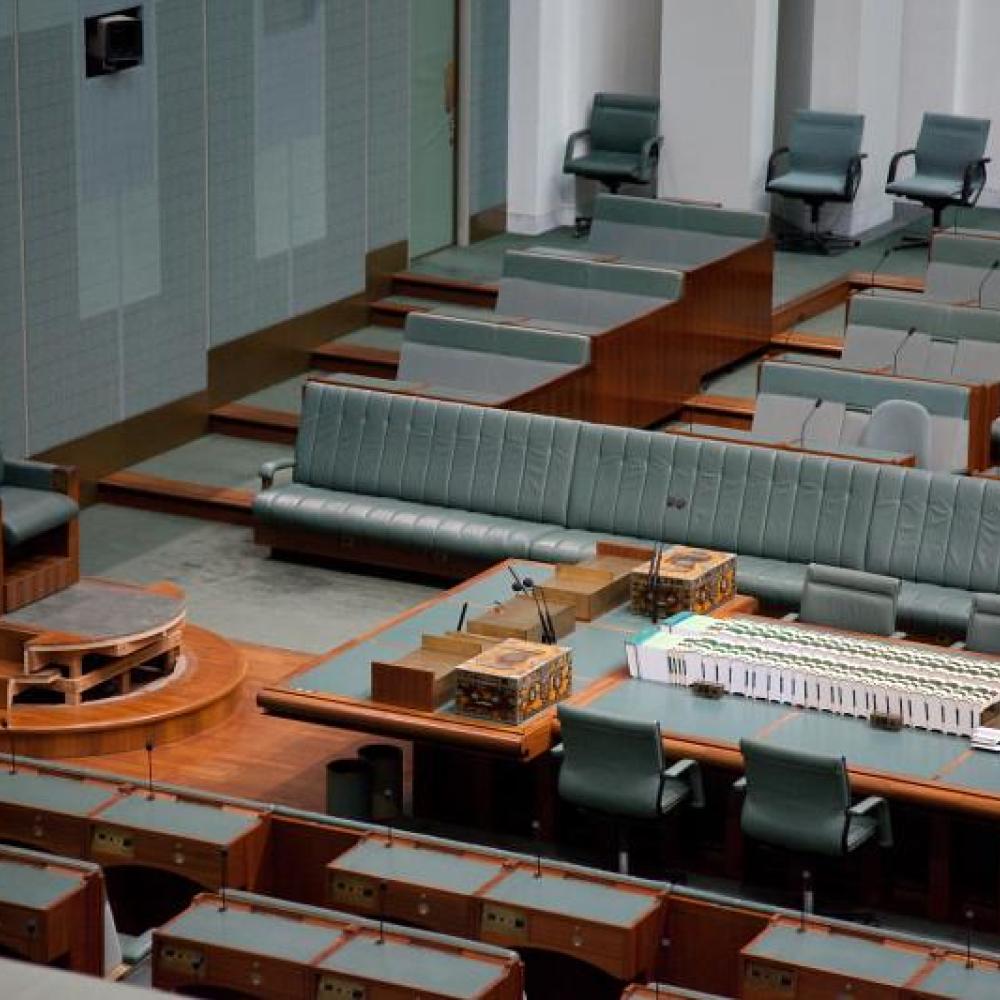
(232, 586)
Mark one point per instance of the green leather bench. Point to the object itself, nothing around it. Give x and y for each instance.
(466, 482)
(476, 360)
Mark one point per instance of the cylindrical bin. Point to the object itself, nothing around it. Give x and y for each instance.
(386, 762)
(349, 788)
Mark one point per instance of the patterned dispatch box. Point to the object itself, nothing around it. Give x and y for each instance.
(513, 681)
(698, 580)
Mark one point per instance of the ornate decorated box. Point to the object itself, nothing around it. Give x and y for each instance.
(513, 681)
(698, 580)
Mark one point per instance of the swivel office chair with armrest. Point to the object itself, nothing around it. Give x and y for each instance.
(824, 165)
(849, 599)
(802, 802)
(624, 147)
(614, 766)
(949, 166)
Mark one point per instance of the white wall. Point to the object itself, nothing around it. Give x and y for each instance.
(561, 53)
(978, 84)
(717, 77)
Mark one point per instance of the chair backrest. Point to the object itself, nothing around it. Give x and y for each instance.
(611, 764)
(483, 356)
(621, 123)
(961, 270)
(823, 142)
(983, 633)
(901, 425)
(794, 799)
(850, 599)
(669, 233)
(948, 143)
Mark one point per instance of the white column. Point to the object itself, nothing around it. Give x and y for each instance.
(561, 53)
(856, 66)
(717, 76)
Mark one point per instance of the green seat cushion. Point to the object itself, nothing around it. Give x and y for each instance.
(398, 522)
(772, 581)
(30, 513)
(926, 185)
(797, 182)
(607, 163)
(926, 607)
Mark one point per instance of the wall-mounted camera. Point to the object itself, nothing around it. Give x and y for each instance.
(113, 42)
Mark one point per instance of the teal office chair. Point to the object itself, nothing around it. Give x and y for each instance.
(614, 766)
(949, 166)
(802, 802)
(823, 165)
(850, 599)
(623, 145)
(983, 632)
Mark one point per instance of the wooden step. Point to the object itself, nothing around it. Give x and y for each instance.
(175, 496)
(256, 422)
(440, 289)
(340, 356)
(813, 343)
(385, 313)
(722, 411)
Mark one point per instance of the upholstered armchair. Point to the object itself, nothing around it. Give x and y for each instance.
(40, 550)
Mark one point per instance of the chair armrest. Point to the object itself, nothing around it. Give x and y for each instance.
(877, 805)
(772, 162)
(853, 179)
(270, 469)
(974, 179)
(38, 475)
(791, 616)
(689, 771)
(651, 149)
(897, 634)
(571, 142)
(558, 751)
(740, 785)
(894, 163)
(958, 645)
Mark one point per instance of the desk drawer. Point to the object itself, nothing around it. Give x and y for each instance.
(24, 929)
(54, 833)
(180, 964)
(201, 863)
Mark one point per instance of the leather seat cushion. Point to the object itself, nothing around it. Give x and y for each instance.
(604, 163)
(926, 607)
(30, 513)
(398, 522)
(771, 581)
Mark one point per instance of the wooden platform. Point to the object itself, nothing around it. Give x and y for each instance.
(202, 691)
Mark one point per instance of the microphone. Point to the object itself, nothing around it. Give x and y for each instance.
(807, 899)
(878, 267)
(461, 617)
(149, 770)
(798, 442)
(8, 729)
(653, 583)
(223, 874)
(969, 917)
(985, 281)
(536, 828)
(899, 347)
(545, 606)
(382, 887)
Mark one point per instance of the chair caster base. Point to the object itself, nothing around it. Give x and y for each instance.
(827, 244)
(913, 243)
(582, 226)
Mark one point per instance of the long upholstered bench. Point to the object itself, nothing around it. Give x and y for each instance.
(452, 481)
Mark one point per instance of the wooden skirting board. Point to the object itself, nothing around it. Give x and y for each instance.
(257, 422)
(173, 496)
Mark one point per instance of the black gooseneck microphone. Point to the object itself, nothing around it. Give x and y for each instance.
(528, 582)
(526, 586)
(986, 278)
(885, 256)
(223, 877)
(970, 916)
(798, 442)
(149, 770)
(899, 348)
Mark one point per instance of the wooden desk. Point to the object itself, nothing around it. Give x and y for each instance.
(52, 910)
(115, 824)
(662, 992)
(191, 839)
(269, 949)
(611, 923)
(814, 961)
